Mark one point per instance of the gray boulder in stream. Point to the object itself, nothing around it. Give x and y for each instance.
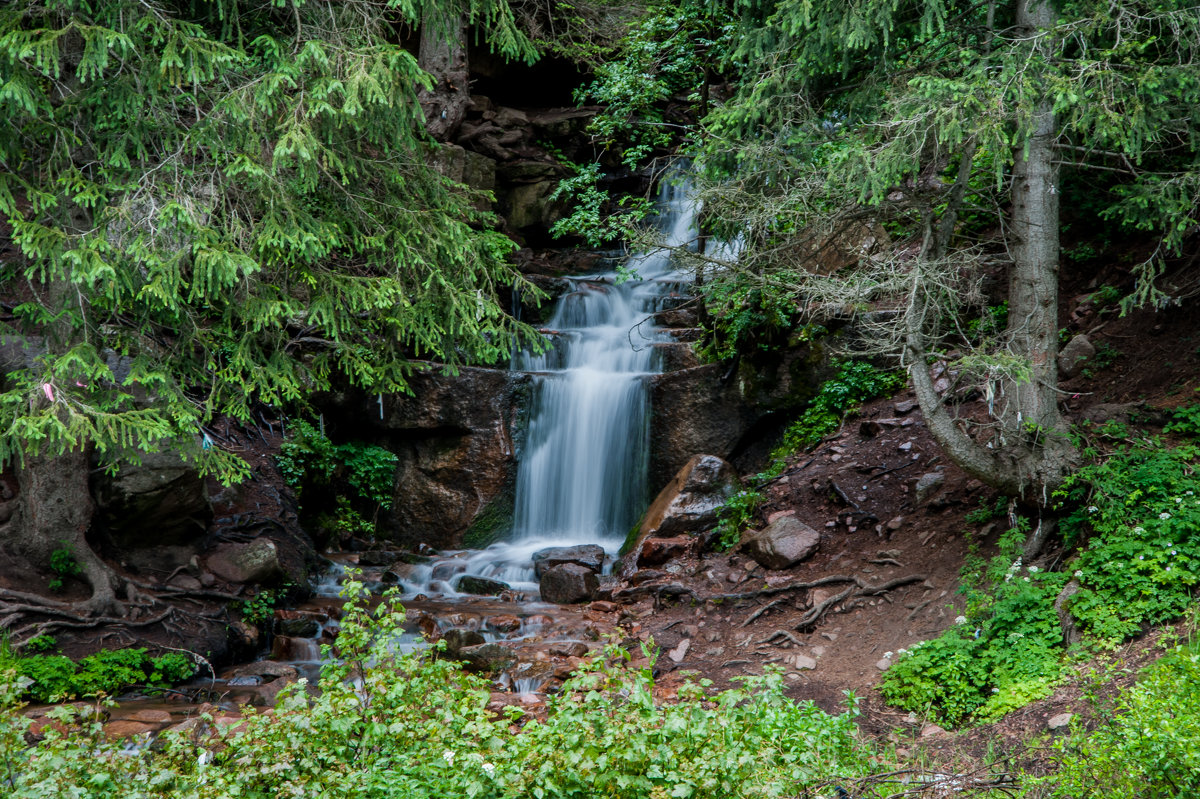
(590, 556)
(481, 586)
(568, 584)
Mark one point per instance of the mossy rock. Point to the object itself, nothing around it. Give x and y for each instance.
(493, 523)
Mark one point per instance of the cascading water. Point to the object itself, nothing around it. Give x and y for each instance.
(582, 472)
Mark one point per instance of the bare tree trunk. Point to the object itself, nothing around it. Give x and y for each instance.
(1033, 286)
(443, 54)
(54, 512)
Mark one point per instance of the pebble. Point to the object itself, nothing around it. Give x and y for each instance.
(1060, 721)
(680, 651)
(803, 662)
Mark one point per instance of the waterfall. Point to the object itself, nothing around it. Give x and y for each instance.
(582, 472)
(582, 476)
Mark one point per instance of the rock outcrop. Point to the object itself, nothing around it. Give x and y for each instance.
(689, 503)
(590, 556)
(457, 439)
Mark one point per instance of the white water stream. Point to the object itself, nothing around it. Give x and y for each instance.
(582, 473)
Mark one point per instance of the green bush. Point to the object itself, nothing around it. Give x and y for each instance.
(342, 486)
(388, 724)
(1001, 658)
(1138, 512)
(1148, 744)
(54, 678)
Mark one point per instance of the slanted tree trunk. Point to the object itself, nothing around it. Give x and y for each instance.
(443, 54)
(1031, 455)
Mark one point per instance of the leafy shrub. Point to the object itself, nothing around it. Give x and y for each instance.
(342, 486)
(1138, 510)
(395, 725)
(1148, 746)
(63, 564)
(1006, 655)
(53, 678)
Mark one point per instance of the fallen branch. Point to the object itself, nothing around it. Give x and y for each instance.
(781, 633)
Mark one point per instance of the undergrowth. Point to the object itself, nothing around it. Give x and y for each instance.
(386, 723)
(855, 383)
(341, 487)
(55, 678)
(1133, 559)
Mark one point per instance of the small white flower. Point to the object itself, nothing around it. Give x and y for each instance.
(1164, 516)
(995, 690)
(1191, 493)
(489, 768)
(1092, 509)
(888, 655)
(1141, 557)
(1139, 530)
(1178, 500)
(1079, 572)
(1034, 569)
(1168, 569)
(901, 651)
(448, 756)
(960, 619)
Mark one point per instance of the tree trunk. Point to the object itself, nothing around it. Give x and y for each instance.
(1033, 288)
(54, 512)
(1032, 454)
(443, 54)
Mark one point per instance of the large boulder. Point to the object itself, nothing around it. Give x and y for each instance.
(1073, 357)
(590, 556)
(568, 584)
(781, 544)
(456, 437)
(254, 562)
(480, 586)
(161, 501)
(689, 503)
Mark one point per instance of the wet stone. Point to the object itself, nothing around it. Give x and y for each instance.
(481, 586)
(590, 556)
(568, 584)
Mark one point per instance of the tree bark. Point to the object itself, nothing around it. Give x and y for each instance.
(55, 512)
(443, 54)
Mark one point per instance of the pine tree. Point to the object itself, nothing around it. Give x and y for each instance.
(217, 205)
(884, 120)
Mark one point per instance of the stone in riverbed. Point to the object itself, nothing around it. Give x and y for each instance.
(781, 544)
(481, 586)
(458, 639)
(490, 657)
(590, 556)
(254, 562)
(568, 584)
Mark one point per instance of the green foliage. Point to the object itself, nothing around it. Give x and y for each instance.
(342, 486)
(386, 723)
(1147, 744)
(1138, 510)
(308, 458)
(1001, 657)
(855, 383)
(1185, 420)
(259, 608)
(1132, 514)
(63, 564)
(223, 204)
(54, 678)
(992, 322)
